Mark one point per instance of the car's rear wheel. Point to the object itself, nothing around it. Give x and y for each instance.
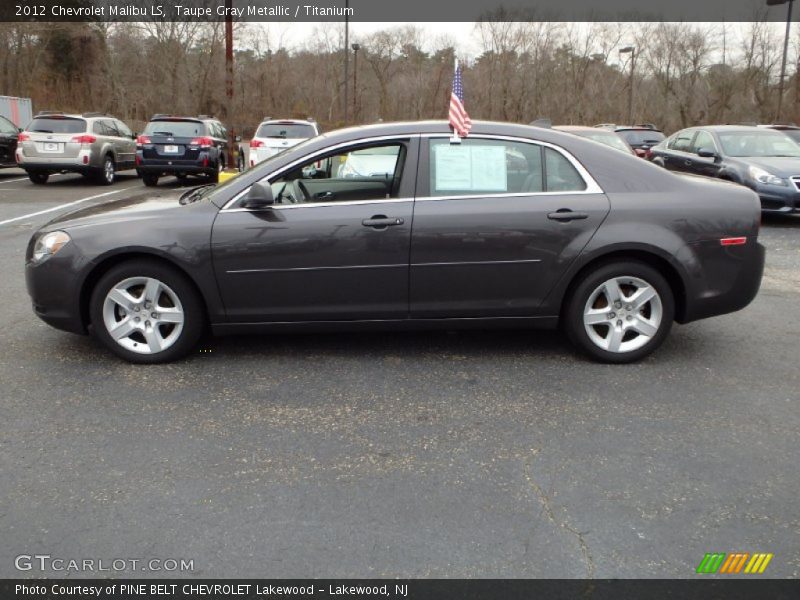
(149, 179)
(620, 312)
(146, 312)
(38, 177)
(214, 175)
(107, 173)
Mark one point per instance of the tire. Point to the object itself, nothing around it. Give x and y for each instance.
(182, 177)
(149, 179)
(179, 318)
(240, 162)
(107, 173)
(624, 332)
(213, 176)
(38, 177)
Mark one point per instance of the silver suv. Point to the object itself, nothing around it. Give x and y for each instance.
(93, 144)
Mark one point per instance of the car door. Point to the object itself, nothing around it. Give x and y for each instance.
(705, 165)
(334, 246)
(678, 156)
(8, 141)
(497, 221)
(126, 145)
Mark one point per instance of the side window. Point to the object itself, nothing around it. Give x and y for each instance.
(98, 128)
(123, 129)
(703, 140)
(111, 128)
(681, 141)
(482, 166)
(359, 173)
(7, 126)
(561, 175)
(223, 133)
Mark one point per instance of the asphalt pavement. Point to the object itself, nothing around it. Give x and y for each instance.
(471, 454)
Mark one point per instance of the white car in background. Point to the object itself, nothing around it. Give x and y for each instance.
(276, 135)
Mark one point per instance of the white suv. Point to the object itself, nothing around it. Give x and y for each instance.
(276, 135)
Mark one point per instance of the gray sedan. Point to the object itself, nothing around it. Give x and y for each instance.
(514, 226)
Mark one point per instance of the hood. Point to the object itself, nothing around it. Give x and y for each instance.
(136, 208)
(777, 165)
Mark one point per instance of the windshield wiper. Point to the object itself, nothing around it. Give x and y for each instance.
(194, 194)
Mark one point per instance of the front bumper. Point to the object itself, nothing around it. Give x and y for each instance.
(55, 292)
(780, 199)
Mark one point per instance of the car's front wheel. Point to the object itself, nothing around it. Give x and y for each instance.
(620, 312)
(146, 312)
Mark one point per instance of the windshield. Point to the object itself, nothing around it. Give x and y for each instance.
(285, 130)
(792, 133)
(57, 125)
(607, 138)
(758, 143)
(7, 126)
(637, 137)
(175, 128)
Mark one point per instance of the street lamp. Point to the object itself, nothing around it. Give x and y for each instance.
(785, 51)
(356, 48)
(632, 51)
(346, 55)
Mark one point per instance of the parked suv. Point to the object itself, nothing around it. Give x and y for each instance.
(276, 135)
(93, 144)
(8, 143)
(181, 146)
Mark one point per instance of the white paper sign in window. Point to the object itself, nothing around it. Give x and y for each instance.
(468, 168)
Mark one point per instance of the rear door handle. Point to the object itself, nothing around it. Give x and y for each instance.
(382, 221)
(565, 214)
(323, 195)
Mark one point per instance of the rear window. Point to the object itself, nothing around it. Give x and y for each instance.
(608, 138)
(285, 130)
(175, 128)
(60, 125)
(641, 136)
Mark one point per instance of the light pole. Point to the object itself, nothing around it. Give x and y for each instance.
(785, 52)
(632, 51)
(346, 55)
(231, 162)
(356, 48)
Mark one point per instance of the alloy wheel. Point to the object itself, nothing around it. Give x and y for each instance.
(143, 315)
(623, 314)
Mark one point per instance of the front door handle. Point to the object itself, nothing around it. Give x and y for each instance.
(382, 221)
(565, 214)
(688, 163)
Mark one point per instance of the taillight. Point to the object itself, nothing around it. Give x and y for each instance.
(23, 137)
(142, 139)
(84, 140)
(733, 241)
(203, 142)
(256, 143)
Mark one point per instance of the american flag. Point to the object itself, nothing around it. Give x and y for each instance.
(459, 119)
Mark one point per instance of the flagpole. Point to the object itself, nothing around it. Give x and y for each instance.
(454, 139)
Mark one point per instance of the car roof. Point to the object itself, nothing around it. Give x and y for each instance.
(725, 128)
(288, 122)
(585, 128)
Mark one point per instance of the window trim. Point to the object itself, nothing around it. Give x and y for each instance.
(592, 187)
(230, 205)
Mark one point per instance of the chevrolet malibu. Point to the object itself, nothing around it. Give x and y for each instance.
(513, 226)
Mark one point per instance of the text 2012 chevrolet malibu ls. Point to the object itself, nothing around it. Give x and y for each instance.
(395, 226)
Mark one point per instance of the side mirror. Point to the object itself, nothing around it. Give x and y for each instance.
(259, 196)
(706, 153)
(237, 139)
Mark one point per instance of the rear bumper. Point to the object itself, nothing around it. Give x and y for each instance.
(57, 166)
(169, 166)
(728, 281)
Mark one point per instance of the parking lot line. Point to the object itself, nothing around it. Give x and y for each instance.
(62, 206)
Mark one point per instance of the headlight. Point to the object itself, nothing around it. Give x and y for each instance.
(49, 244)
(762, 176)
